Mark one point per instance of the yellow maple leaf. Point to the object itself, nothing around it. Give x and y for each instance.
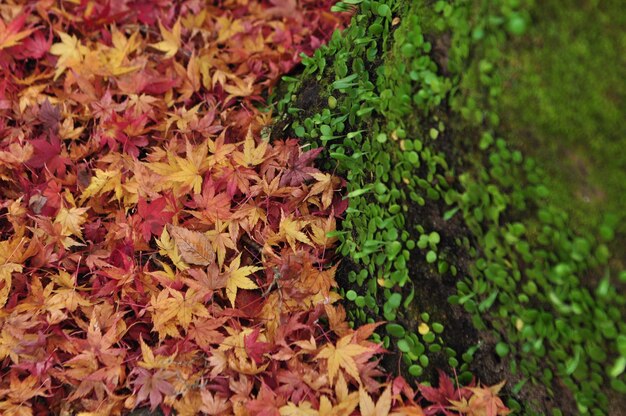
(171, 307)
(102, 182)
(171, 40)
(70, 51)
(291, 230)
(367, 406)
(345, 407)
(413, 410)
(238, 278)
(341, 356)
(182, 173)
(228, 27)
(118, 54)
(252, 155)
(167, 247)
(304, 408)
(71, 220)
(242, 87)
(6, 270)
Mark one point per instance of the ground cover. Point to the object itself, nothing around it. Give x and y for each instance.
(155, 249)
(576, 94)
(445, 213)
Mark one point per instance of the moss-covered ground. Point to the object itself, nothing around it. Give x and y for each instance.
(563, 100)
(486, 184)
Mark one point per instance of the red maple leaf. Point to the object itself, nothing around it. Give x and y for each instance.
(49, 153)
(298, 167)
(254, 348)
(153, 216)
(440, 396)
(34, 47)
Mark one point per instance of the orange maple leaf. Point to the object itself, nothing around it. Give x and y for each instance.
(220, 241)
(194, 247)
(325, 186)
(484, 402)
(6, 270)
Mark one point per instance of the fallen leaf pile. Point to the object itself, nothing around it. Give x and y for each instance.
(155, 250)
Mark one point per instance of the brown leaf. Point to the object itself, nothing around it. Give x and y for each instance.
(194, 246)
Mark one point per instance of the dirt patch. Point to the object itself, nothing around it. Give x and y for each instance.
(309, 99)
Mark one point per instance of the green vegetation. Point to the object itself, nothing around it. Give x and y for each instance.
(563, 100)
(406, 100)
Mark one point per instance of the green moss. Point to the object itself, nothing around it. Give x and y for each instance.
(563, 100)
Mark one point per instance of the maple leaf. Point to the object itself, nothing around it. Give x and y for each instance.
(441, 396)
(290, 230)
(194, 247)
(345, 407)
(102, 182)
(6, 270)
(171, 307)
(20, 392)
(298, 169)
(210, 207)
(167, 246)
(320, 281)
(238, 278)
(36, 46)
(50, 116)
(187, 171)
(66, 296)
(171, 40)
(220, 241)
(342, 356)
(71, 220)
(206, 282)
(304, 408)
(204, 331)
(49, 153)
(267, 403)
(150, 362)
(242, 88)
(122, 47)
(254, 348)
(382, 406)
(152, 385)
(252, 155)
(11, 34)
(413, 410)
(483, 402)
(214, 405)
(153, 215)
(70, 51)
(325, 185)
(320, 227)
